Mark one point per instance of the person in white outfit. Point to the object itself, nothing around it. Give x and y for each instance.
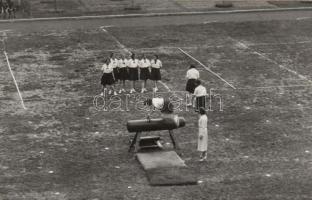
(202, 134)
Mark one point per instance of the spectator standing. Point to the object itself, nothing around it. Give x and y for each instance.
(202, 145)
(191, 75)
(200, 94)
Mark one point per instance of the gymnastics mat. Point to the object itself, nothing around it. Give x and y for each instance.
(165, 168)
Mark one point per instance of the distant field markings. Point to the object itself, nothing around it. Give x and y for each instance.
(4, 36)
(262, 55)
(123, 47)
(207, 68)
(158, 48)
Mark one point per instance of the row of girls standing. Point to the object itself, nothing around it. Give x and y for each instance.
(116, 71)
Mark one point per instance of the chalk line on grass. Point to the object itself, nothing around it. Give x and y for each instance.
(207, 68)
(15, 82)
(123, 47)
(245, 46)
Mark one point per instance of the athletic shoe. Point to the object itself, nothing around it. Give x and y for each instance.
(132, 91)
(143, 90)
(120, 91)
(102, 94)
(115, 93)
(110, 92)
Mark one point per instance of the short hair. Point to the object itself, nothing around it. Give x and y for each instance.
(197, 82)
(192, 66)
(202, 111)
(133, 55)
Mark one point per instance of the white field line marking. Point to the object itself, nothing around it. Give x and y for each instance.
(209, 22)
(7, 30)
(19, 93)
(157, 14)
(245, 46)
(207, 68)
(303, 18)
(123, 47)
(211, 46)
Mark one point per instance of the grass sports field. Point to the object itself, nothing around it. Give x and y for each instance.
(63, 147)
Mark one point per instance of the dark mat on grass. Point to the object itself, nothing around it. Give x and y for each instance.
(171, 176)
(160, 159)
(165, 168)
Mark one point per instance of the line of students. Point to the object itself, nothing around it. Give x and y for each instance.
(116, 71)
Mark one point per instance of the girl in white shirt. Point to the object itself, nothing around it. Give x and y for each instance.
(123, 73)
(156, 65)
(202, 144)
(108, 78)
(145, 65)
(133, 65)
(114, 63)
(191, 75)
(200, 95)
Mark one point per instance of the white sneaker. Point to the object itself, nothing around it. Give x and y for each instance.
(120, 91)
(115, 93)
(143, 90)
(102, 94)
(110, 92)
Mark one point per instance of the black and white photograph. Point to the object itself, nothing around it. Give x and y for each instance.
(155, 99)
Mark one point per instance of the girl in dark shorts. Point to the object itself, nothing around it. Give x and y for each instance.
(108, 78)
(192, 75)
(133, 65)
(114, 63)
(156, 64)
(144, 72)
(123, 73)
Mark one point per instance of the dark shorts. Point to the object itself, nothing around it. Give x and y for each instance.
(107, 79)
(200, 102)
(116, 73)
(155, 74)
(123, 73)
(190, 85)
(133, 74)
(144, 74)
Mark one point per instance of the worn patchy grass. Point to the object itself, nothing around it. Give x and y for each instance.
(62, 147)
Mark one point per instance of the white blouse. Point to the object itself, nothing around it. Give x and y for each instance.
(203, 121)
(122, 63)
(133, 63)
(200, 91)
(114, 62)
(107, 68)
(192, 74)
(144, 63)
(157, 64)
